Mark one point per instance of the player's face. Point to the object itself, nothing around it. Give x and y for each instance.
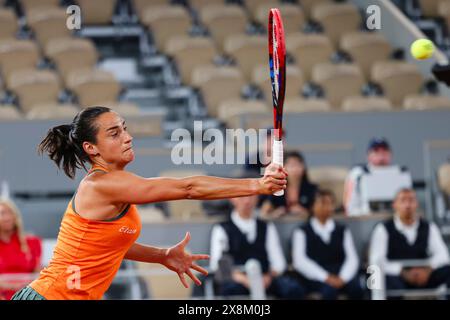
(114, 143)
(7, 219)
(379, 157)
(405, 204)
(323, 207)
(294, 167)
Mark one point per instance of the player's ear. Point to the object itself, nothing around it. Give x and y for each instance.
(90, 149)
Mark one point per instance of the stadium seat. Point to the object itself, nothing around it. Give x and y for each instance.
(293, 17)
(125, 109)
(165, 22)
(298, 105)
(365, 48)
(34, 87)
(69, 54)
(248, 51)
(338, 81)
(184, 209)
(198, 4)
(426, 102)
(294, 79)
(93, 87)
(8, 24)
(223, 21)
(53, 111)
(140, 6)
(245, 114)
(99, 12)
(444, 12)
(9, 112)
(17, 55)
(48, 23)
(27, 5)
(337, 19)
(330, 177)
(360, 103)
(397, 79)
(309, 50)
(218, 84)
(252, 5)
(308, 5)
(190, 52)
(429, 8)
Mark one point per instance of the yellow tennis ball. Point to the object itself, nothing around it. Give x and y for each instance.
(422, 49)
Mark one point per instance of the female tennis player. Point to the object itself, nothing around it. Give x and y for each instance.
(101, 223)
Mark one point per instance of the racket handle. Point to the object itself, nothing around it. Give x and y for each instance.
(277, 158)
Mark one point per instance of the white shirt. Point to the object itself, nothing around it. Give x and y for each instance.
(437, 249)
(311, 269)
(219, 242)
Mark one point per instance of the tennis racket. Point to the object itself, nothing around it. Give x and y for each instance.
(277, 65)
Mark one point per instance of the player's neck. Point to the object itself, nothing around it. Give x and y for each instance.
(108, 166)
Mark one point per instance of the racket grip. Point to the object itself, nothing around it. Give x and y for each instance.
(277, 158)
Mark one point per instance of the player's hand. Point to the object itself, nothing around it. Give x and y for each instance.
(180, 261)
(275, 179)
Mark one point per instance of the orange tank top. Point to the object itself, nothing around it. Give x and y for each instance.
(88, 254)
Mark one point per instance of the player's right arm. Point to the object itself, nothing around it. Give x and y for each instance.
(126, 187)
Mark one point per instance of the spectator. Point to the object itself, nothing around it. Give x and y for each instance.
(19, 253)
(409, 237)
(324, 254)
(379, 155)
(299, 194)
(243, 237)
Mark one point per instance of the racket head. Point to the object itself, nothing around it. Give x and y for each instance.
(277, 66)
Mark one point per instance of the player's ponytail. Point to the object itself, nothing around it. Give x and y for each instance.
(64, 143)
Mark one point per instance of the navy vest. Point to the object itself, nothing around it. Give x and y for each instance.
(241, 250)
(329, 256)
(398, 246)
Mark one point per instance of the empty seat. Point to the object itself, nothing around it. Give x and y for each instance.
(330, 177)
(430, 8)
(93, 87)
(245, 114)
(98, 12)
(8, 24)
(71, 54)
(360, 103)
(198, 4)
(184, 209)
(309, 50)
(443, 176)
(9, 112)
(166, 22)
(190, 52)
(292, 15)
(298, 105)
(308, 5)
(294, 80)
(444, 12)
(34, 87)
(218, 84)
(252, 5)
(338, 81)
(53, 111)
(248, 51)
(139, 6)
(17, 55)
(125, 109)
(223, 21)
(426, 102)
(397, 79)
(337, 19)
(48, 23)
(366, 48)
(27, 5)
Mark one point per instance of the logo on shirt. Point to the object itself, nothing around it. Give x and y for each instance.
(127, 230)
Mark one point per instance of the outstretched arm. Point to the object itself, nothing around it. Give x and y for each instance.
(174, 258)
(125, 187)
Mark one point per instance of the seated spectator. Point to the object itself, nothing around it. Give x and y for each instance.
(409, 237)
(245, 237)
(379, 156)
(19, 253)
(299, 194)
(324, 254)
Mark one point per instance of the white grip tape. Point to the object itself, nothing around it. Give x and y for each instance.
(277, 158)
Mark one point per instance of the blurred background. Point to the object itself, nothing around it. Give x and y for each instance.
(164, 64)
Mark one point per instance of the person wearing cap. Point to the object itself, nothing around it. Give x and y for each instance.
(379, 154)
